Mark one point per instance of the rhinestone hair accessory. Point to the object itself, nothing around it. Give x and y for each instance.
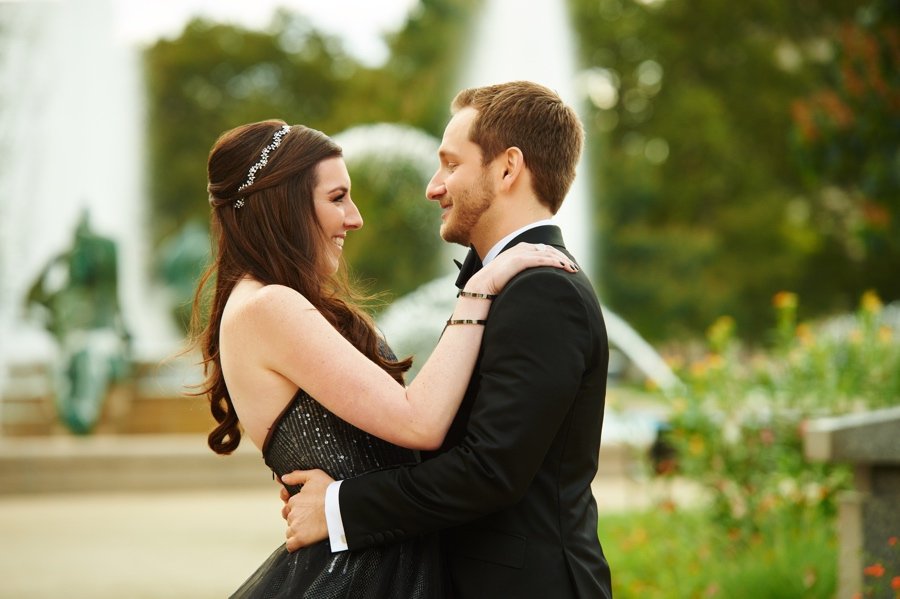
(263, 161)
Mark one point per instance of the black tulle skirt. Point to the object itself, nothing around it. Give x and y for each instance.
(407, 570)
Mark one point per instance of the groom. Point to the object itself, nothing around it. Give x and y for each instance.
(510, 489)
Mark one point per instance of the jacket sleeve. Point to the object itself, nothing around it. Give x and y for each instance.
(536, 347)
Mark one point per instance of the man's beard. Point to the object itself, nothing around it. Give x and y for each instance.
(466, 212)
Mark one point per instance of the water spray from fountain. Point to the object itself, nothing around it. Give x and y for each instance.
(71, 137)
(503, 50)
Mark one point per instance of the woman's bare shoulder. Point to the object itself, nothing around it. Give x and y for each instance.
(264, 305)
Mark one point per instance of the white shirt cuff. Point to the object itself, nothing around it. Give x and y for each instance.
(333, 518)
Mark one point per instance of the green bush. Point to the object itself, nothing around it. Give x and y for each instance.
(738, 423)
(736, 426)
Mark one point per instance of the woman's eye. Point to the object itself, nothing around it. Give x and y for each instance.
(339, 198)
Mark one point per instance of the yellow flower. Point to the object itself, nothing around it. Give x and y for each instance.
(696, 445)
(675, 361)
(698, 369)
(805, 335)
(870, 302)
(721, 332)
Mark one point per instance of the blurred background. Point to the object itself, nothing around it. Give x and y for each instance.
(741, 181)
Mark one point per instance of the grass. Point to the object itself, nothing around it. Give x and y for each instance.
(680, 554)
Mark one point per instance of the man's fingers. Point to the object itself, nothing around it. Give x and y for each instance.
(297, 477)
(292, 544)
(295, 540)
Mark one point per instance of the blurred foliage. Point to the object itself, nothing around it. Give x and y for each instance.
(737, 428)
(214, 76)
(735, 150)
(847, 139)
(405, 219)
(794, 557)
(738, 424)
(710, 200)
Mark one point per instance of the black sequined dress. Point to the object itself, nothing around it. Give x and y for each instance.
(306, 436)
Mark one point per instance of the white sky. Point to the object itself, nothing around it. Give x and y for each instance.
(360, 23)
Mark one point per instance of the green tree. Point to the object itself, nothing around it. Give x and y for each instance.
(421, 75)
(847, 142)
(691, 123)
(215, 76)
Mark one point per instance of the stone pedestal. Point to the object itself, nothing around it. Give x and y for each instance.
(869, 516)
(153, 400)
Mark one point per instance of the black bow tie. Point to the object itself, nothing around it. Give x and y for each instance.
(469, 267)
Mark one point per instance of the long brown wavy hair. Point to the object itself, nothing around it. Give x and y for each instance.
(274, 238)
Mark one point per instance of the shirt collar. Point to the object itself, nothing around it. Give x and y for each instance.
(494, 251)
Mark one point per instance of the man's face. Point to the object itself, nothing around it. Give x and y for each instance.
(461, 184)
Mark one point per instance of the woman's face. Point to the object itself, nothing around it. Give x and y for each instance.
(334, 209)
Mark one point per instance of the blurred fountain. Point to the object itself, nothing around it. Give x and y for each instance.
(504, 49)
(71, 139)
(389, 143)
(512, 43)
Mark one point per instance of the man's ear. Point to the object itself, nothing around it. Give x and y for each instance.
(513, 165)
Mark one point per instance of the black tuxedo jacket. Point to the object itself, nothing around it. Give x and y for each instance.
(511, 487)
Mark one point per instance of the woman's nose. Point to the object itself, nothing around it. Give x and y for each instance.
(353, 219)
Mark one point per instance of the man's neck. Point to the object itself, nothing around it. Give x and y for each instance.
(494, 250)
(507, 215)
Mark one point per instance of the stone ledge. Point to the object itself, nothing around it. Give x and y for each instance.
(124, 463)
(99, 463)
(869, 437)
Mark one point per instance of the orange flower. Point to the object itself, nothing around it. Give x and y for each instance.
(876, 215)
(875, 570)
(803, 118)
(784, 300)
(895, 583)
(892, 541)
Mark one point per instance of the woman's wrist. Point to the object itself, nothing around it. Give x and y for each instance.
(468, 308)
(480, 283)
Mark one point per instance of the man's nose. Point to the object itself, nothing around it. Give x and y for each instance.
(436, 189)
